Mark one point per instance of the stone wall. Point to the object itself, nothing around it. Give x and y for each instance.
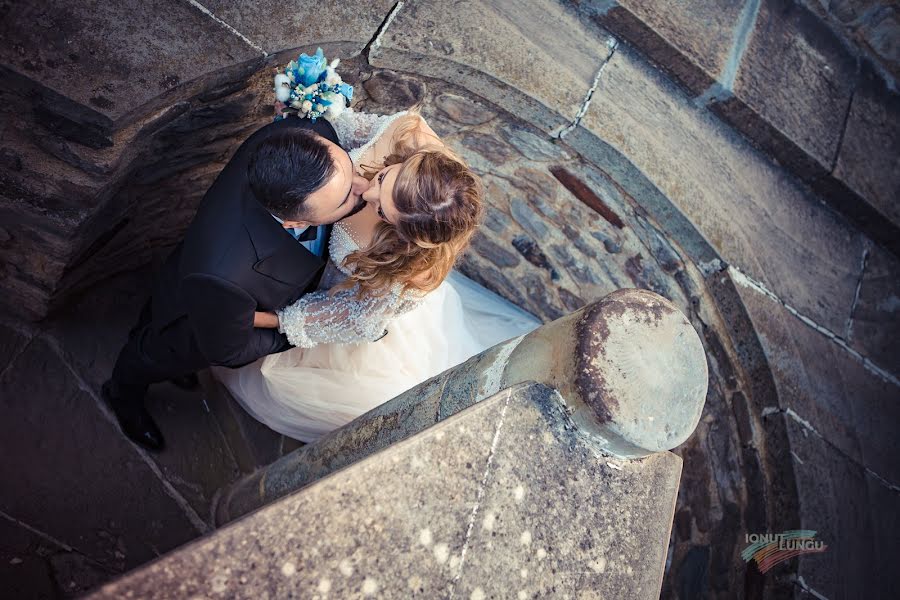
(871, 27)
(794, 80)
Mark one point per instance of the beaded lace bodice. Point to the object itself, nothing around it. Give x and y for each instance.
(322, 317)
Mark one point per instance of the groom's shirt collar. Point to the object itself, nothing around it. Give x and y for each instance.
(315, 245)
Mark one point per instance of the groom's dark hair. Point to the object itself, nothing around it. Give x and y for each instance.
(286, 168)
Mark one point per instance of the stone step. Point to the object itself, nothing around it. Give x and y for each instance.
(505, 499)
(87, 504)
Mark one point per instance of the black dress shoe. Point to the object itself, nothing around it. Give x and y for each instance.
(135, 421)
(186, 382)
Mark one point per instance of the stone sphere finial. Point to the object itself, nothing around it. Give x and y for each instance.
(640, 371)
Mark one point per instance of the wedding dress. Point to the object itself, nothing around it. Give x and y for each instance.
(344, 364)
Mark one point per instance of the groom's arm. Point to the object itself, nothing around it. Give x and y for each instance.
(221, 315)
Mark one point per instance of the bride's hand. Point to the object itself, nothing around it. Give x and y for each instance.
(265, 320)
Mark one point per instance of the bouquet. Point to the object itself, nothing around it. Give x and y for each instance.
(309, 87)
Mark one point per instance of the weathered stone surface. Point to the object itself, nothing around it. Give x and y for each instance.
(464, 111)
(71, 228)
(342, 30)
(690, 40)
(113, 509)
(252, 444)
(494, 253)
(852, 408)
(24, 571)
(792, 88)
(495, 150)
(833, 493)
(75, 54)
(394, 91)
(525, 531)
(755, 215)
(882, 35)
(869, 158)
(533, 146)
(462, 48)
(874, 326)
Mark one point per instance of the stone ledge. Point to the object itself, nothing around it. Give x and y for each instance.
(502, 497)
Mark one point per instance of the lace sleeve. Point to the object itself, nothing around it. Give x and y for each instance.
(355, 128)
(342, 317)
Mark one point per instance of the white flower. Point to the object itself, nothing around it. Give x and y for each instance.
(282, 90)
(298, 104)
(336, 107)
(334, 64)
(306, 106)
(331, 77)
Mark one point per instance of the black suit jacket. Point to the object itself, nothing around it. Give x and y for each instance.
(235, 259)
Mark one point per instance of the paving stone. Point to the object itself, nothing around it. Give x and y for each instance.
(495, 150)
(493, 252)
(342, 30)
(533, 146)
(393, 92)
(690, 40)
(504, 41)
(77, 478)
(755, 215)
(869, 158)
(792, 88)
(464, 111)
(874, 327)
(529, 219)
(76, 51)
(24, 571)
(852, 408)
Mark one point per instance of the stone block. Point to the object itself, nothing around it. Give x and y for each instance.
(792, 88)
(752, 213)
(869, 158)
(97, 64)
(76, 477)
(278, 26)
(852, 408)
(874, 325)
(835, 502)
(501, 498)
(498, 50)
(689, 40)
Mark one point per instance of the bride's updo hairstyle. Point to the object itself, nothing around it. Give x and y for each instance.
(438, 202)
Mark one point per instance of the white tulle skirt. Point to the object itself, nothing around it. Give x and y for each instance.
(304, 393)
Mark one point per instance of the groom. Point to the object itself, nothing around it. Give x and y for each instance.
(258, 242)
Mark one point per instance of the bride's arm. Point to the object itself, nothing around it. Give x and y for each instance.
(341, 317)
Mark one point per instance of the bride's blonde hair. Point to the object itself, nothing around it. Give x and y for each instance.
(438, 203)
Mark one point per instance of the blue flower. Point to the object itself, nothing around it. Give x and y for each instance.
(311, 67)
(347, 91)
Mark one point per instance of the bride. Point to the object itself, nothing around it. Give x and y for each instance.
(389, 312)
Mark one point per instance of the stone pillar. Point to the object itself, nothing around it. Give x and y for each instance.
(629, 368)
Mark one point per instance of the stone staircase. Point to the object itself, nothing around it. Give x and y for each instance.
(483, 481)
(662, 154)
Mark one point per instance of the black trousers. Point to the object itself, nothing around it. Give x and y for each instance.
(153, 354)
